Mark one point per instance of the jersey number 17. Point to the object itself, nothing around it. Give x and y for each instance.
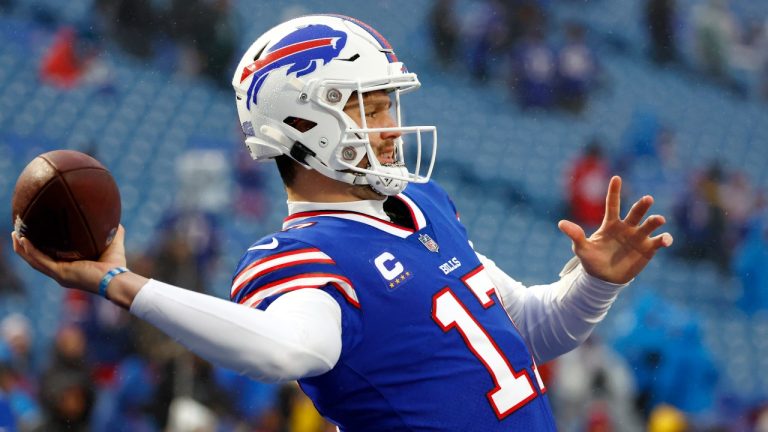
(513, 389)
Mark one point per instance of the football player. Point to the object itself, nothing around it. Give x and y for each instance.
(372, 295)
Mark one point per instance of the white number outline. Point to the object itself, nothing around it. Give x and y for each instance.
(507, 381)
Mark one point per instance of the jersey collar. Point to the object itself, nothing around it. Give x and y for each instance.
(369, 212)
(373, 208)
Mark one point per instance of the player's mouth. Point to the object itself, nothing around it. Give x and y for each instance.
(387, 156)
(387, 159)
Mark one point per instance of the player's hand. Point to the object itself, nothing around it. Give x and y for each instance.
(84, 275)
(621, 248)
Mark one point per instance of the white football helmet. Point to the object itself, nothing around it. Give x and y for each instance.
(307, 68)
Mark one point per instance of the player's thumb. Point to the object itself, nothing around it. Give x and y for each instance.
(573, 231)
(115, 252)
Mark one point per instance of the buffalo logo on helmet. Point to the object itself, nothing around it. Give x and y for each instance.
(302, 49)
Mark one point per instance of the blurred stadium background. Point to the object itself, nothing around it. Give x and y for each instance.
(536, 104)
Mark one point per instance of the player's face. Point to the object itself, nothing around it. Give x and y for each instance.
(378, 114)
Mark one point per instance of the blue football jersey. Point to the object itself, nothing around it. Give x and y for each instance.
(426, 342)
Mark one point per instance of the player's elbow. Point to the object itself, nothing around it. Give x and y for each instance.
(288, 364)
(297, 358)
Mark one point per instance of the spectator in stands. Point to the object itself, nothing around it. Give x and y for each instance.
(749, 55)
(644, 346)
(587, 178)
(16, 332)
(73, 60)
(715, 32)
(701, 219)
(594, 379)
(534, 71)
(204, 35)
(61, 66)
(188, 249)
(660, 16)
(217, 41)
(135, 26)
(487, 32)
(67, 400)
(667, 355)
(175, 260)
(577, 70)
(189, 382)
(688, 377)
(750, 265)
(122, 406)
(739, 204)
(444, 28)
(108, 333)
(15, 394)
(66, 387)
(523, 17)
(106, 329)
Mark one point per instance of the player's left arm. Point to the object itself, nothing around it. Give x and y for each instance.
(556, 318)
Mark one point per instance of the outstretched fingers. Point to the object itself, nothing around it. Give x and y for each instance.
(662, 240)
(574, 232)
(613, 199)
(638, 210)
(650, 225)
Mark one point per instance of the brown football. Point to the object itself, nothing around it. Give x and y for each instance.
(67, 204)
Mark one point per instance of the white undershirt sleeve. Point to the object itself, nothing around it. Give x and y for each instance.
(298, 335)
(555, 318)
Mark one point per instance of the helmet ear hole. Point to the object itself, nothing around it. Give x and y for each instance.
(300, 124)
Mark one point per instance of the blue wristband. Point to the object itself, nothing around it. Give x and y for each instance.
(108, 278)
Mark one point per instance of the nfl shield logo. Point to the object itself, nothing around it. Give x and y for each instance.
(428, 242)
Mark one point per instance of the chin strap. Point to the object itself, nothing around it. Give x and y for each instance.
(380, 183)
(387, 185)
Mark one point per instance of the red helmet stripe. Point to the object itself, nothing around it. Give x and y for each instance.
(283, 52)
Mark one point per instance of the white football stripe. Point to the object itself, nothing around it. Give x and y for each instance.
(268, 264)
(304, 282)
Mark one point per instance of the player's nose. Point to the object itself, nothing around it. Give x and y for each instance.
(389, 122)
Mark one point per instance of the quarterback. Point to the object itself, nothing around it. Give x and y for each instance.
(372, 295)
